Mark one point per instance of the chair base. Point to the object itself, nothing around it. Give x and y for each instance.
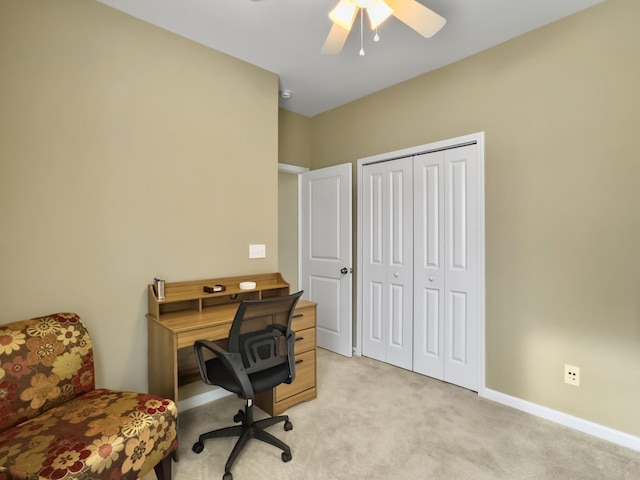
(248, 430)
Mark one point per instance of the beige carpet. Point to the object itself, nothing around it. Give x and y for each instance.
(375, 421)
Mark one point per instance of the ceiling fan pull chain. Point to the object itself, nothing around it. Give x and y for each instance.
(376, 38)
(361, 34)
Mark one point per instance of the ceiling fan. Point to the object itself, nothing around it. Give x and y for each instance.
(422, 19)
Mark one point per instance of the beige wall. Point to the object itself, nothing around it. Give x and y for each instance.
(294, 139)
(123, 157)
(294, 148)
(560, 108)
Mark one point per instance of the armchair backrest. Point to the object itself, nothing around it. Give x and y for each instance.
(44, 362)
(261, 332)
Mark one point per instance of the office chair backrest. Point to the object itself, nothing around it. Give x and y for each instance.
(261, 332)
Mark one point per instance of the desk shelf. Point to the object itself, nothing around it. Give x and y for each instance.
(190, 295)
(188, 313)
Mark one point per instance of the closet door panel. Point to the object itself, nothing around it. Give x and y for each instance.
(461, 329)
(456, 219)
(457, 319)
(387, 246)
(374, 267)
(376, 327)
(400, 262)
(428, 341)
(397, 317)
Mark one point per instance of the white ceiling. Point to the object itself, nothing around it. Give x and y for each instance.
(285, 37)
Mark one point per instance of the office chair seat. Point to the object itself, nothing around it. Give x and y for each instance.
(260, 381)
(259, 357)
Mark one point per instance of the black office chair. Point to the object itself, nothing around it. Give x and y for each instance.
(260, 356)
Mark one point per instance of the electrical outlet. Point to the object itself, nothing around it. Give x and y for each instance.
(572, 375)
(257, 251)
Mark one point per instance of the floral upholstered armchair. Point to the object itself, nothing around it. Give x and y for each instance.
(54, 424)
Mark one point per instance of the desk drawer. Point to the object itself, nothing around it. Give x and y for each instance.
(305, 376)
(305, 340)
(216, 332)
(303, 318)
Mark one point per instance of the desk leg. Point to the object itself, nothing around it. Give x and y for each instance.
(163, 362)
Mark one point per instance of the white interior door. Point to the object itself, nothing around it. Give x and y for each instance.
(387, 247)
(326, 251)
(446, 323)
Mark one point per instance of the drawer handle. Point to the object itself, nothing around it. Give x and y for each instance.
(299, 338)
(298, 315)
(298, 362)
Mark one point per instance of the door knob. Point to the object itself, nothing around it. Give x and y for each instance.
(344, 271)
(431, 279)
(397, 274)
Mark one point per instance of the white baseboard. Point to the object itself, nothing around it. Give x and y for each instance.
(600, 431)
(196, 394)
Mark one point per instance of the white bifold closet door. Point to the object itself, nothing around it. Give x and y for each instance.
(446, 330)
(387, 253)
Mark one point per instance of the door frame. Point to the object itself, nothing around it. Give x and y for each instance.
(474, 138)
(296, 170)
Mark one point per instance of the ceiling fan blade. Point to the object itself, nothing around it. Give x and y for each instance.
(335, 40)
(422, 19)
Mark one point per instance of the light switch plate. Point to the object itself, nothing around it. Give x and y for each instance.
(257, 251)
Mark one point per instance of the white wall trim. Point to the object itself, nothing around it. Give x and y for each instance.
(576, 423)
(299, 286)
(286, 168)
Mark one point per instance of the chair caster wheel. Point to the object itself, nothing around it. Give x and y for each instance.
(288, 426)
(286, 457)
(198, 447)
(227, 476)
(238, 417)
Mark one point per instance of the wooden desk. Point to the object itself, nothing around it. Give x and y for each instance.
(187, 314)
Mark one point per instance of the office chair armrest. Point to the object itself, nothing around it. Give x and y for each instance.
(291, 347)
(231, 360)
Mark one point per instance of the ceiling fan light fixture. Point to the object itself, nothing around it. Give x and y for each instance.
(378, 12)
(343, 14)
(411, 12)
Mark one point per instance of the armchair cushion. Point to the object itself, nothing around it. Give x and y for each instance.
(122, 434)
